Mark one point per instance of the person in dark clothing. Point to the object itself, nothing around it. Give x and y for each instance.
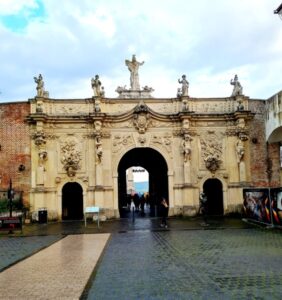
(203, 207)
(164, 211)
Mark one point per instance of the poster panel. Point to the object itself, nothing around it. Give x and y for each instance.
(276, 205)
(257, 204)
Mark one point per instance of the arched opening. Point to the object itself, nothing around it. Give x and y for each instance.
(275, 136)
(156, 166)
(213, 190)
(72, 201)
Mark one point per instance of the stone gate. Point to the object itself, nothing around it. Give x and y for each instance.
(185, 143)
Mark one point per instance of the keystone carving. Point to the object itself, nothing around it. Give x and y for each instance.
(141, 118)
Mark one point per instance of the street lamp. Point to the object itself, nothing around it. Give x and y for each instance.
(10, 197)
(278, 11)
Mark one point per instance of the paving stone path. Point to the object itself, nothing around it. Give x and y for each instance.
(60, 271)
(14, 249)
(191, 264)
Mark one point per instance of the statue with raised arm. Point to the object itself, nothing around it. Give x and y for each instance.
(185, 85)
(133, 67)
(40, 85)
(237, 90)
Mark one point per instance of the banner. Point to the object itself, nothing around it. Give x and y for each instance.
(276, 205)
(257, 204)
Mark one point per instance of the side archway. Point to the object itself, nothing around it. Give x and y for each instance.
(213, 189)
(72, 201)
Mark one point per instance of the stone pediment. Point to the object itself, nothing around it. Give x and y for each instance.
(140, 109)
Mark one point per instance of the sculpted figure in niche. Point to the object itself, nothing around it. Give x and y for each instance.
(99, 149)
(237, 90)
(42, 155)
(96, 85)
(40, 85)
(240, 150)
(185, 85)
(186, 145)
(133, 67)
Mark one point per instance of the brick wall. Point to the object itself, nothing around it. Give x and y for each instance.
(15, 147)
(264, 157)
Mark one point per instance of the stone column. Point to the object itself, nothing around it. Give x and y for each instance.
(187, 172)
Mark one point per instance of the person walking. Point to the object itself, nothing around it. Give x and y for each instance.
(164, 212)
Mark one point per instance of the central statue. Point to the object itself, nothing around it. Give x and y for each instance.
(133, 67)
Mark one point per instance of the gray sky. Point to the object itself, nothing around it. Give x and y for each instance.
(70, 41)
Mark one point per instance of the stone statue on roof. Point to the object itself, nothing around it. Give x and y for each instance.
(185, 85)
(40, 85)
(238, 89)
(133, 67)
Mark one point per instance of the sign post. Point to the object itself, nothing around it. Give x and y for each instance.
(92, 210)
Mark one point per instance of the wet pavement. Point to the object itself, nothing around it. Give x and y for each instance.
(57, 272)
(229, 259)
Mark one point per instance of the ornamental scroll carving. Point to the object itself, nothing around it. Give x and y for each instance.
(70, 156)
(39, 138)
(211, 147)
(165, 141)
(121, 141)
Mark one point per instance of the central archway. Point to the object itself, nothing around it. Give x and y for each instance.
(155, 164)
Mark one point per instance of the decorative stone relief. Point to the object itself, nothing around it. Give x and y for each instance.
(142, 139)
(141, 117)
(211, 147)
(39, 138)
(70, 156)
(97, 126)
(185, 124)
(39, 107)
(121, 141)
(185, 106)
(141, 122)
(212, 105)
(165, 141)
(71, 109)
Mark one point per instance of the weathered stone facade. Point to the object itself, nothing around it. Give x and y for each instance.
(78, 150)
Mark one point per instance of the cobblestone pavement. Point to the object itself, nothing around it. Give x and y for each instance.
(14, 249)
(229, 259)
(190, 264)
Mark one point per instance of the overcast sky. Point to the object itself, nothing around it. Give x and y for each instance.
(70, 41)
